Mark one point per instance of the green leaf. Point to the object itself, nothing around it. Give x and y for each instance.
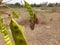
(15, 14)
(18, 33)
(30, 10)
(4, 32)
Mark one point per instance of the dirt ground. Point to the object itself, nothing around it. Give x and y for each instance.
(47, 32)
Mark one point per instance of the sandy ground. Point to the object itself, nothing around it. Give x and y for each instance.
(47, 32)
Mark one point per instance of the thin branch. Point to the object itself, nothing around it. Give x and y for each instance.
(1, 1)
(4, 12)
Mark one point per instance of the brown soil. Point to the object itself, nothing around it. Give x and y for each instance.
(47, 32)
